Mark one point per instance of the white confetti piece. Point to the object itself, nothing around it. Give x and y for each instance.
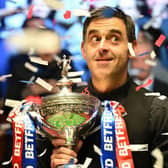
(56, 4)
(6, 162)
(5, 126)
(3, 77)
(150, 62)
(153, 54)
(165, 133)
(1, 111)
(157, 154)
(57, 59)
(152, 94)
(76, 80)
(162, 97)
(44, 84)
(81, 12)
(87, 162)
(131, 50)
(43, 153)
(38, 60)
(97, 150)
(31, 51)
(30, 67)
(73, 74)
(12, 102)
(138, 147)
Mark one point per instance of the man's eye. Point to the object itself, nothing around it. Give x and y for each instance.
(95, 38)
(114, 39)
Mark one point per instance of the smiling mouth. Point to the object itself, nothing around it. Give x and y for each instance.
(104, 59)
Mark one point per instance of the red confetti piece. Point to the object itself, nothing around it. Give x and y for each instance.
(54, 22)
(85, 91)
(67, 14)
(149, 82)
(160, 40)
(35, 99)
(29, 16)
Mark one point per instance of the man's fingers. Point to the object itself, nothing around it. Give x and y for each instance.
(58, 142)
(65, 150)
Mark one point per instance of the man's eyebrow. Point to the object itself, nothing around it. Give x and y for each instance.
(116, 31)
(92, 31)
(110, 31)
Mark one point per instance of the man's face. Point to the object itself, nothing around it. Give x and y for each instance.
(106, 48)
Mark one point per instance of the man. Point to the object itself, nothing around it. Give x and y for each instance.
(105, 48)
(143, 60)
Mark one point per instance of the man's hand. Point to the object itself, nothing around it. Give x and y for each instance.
(62, 155)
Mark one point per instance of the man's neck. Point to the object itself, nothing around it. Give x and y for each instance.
(108, 84)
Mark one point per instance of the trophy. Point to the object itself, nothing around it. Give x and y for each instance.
(67, 114)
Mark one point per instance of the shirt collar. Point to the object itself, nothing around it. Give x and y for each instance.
(116, 94)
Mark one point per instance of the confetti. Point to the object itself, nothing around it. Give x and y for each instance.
(54, 4)
(54, 22)
(153, 54)
(149, 82)
(1, 111)
(38, 60)
(44, 84)
(162, 97)
(73, 74)
(3, 77)
(81, 12)
(12, 103)
(5, 126)
(131, 50)
(150, 62)
(43, 153)
(67, 14)
(30, 67)
(97, 150)
(152, 94)
(27, 82)
(29, 15)
(160, 40)
(157, 154)
(138, 147)
(165, 133)
(87, 162)
(76, 80)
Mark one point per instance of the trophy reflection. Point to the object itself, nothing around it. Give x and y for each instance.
(67, 114)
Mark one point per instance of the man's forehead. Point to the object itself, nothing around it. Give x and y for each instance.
(106, 25)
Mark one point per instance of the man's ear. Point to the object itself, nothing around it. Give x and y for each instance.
(134, 47)
(83, 50)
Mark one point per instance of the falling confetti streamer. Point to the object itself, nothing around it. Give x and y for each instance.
(44, 84)
(149, 82)
(30, 12)
(160, 40)
(131, 50)
(3, 77)
(38, 60)
(67, 14)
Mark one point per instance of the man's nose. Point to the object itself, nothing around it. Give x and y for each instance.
(104, 46)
